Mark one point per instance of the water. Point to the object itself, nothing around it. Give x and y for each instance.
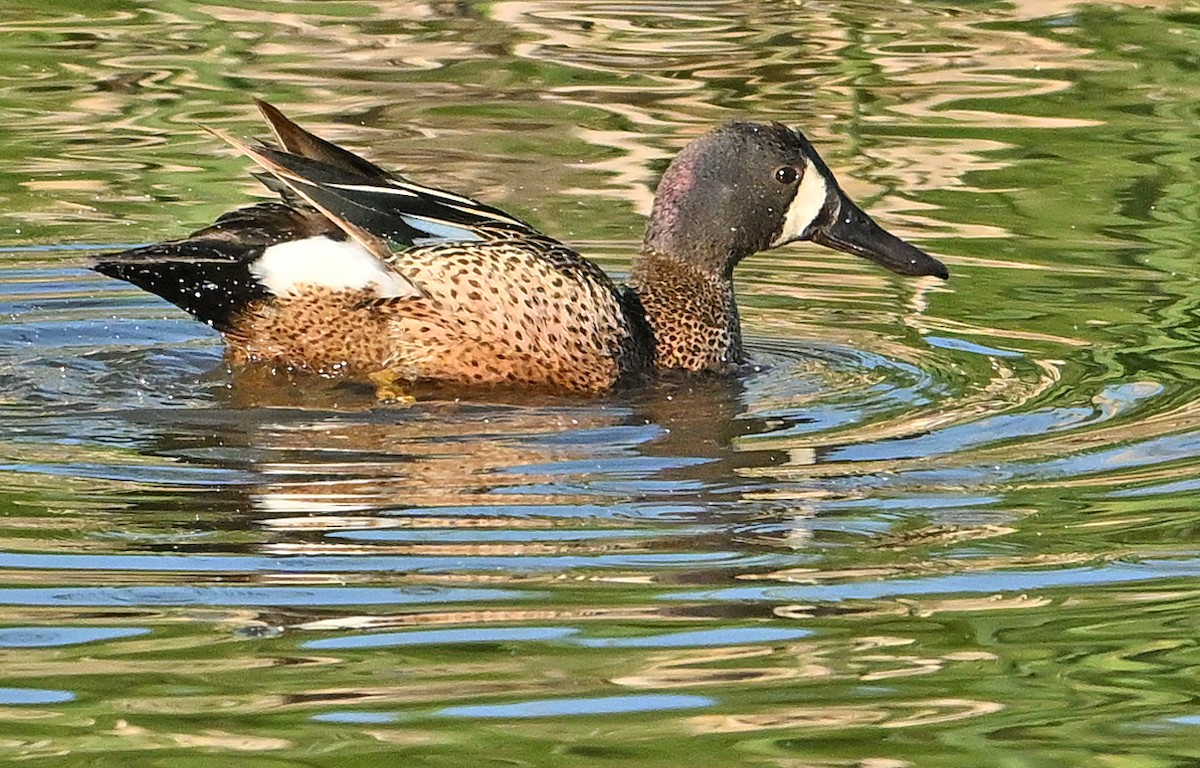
(943, 524)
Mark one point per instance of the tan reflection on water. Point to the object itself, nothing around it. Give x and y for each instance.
(872, 659)
(892, 715)
(144, 738)
(375, 622)
(688, 669)
(425, 464)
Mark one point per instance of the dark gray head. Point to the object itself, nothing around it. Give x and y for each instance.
(747, 187)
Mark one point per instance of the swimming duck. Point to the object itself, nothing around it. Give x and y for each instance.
(361, 272)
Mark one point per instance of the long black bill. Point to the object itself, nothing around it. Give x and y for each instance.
(853, 231)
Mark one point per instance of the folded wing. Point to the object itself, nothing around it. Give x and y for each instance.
(382, 211)
(341, 223)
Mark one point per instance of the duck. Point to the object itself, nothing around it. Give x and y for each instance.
(357, 271)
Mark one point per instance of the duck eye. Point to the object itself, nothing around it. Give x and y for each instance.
(786, 174)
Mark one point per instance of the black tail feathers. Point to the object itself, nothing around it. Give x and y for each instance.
(209, 273)
(200, 276)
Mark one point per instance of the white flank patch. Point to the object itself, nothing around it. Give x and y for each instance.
(809, 199)
(344, 265)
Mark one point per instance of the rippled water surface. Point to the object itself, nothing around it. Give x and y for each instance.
(941, 524)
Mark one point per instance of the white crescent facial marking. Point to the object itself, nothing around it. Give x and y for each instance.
(809, 199)
(320, 261)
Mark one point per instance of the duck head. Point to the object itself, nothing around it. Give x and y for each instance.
(749, 187)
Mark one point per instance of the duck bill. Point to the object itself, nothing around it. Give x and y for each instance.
(853, 231)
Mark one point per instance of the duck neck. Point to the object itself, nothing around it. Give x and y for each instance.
(691, 311)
